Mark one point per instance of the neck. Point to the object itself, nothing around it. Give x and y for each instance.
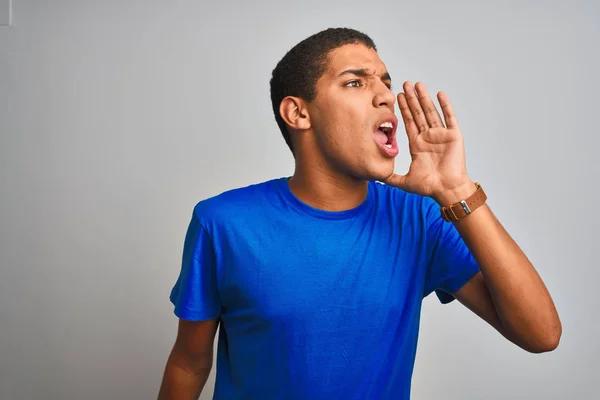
(327, 190)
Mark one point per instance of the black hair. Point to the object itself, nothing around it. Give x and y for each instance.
(297, 73)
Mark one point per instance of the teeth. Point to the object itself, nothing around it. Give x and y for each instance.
(386, 125)
(389, 146)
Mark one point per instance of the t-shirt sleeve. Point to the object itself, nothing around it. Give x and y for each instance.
(451, 263)
(195, 294)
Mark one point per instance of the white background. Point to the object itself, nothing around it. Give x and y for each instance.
(117, 117)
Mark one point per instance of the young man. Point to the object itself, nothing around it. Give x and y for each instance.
(317, 280)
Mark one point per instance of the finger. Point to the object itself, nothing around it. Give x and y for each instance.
(396, 180)
(449, 116)
(409, 123)
(431, 113)
(415, 107)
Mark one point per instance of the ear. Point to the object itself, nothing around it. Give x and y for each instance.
(294, 112)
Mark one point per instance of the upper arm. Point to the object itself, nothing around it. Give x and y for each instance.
(195, 294)
(196, 300)
(195, 342)
(476, 296)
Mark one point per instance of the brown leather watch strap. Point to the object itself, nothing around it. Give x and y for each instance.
(465, 207)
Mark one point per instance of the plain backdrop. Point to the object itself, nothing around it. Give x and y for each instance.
(117, 117)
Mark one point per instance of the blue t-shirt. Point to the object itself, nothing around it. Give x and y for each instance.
(316, 304)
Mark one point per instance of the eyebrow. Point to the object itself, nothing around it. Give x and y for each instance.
(363, 72)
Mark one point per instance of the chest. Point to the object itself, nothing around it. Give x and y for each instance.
(345, 272)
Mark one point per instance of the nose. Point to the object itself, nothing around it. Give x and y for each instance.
(383, 96)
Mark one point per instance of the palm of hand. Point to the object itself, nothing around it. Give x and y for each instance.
(437, 150)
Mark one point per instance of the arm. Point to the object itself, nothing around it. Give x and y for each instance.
(508, 292)
(190, 361)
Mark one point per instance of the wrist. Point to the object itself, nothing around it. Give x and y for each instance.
(455, 194)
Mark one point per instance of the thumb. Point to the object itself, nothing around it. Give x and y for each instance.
(399, 181)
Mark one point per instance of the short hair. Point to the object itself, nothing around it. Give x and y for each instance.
(297, 73)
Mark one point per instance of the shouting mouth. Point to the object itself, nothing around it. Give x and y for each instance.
(385, 136)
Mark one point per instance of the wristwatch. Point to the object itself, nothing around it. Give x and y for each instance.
(459, 210)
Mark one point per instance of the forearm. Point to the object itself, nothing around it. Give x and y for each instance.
(520, 297)
(183, 382)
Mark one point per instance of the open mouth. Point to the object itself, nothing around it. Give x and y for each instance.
(385, 134)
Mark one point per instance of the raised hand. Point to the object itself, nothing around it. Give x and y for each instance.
(438, 166)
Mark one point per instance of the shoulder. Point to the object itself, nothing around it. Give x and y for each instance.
(234, 202)
(408, 204)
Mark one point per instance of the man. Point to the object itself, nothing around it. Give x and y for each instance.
(317, 280)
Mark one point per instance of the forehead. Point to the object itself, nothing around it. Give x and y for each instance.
(353, 56)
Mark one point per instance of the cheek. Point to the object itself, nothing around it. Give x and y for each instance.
(344, 129)
(349, 125)
(353, 143)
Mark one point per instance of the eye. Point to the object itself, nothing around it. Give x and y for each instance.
(355, 83)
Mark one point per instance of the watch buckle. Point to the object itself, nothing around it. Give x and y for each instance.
(465, 207)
